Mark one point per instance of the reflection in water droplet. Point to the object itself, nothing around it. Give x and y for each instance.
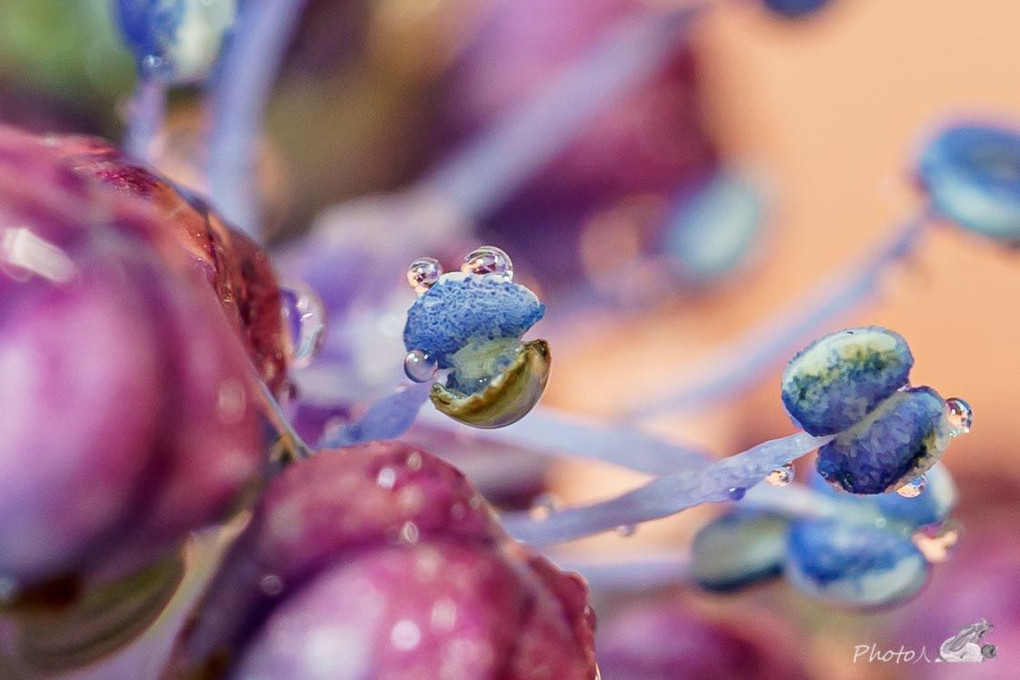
(304, 318)
(913, 488)
(271, 585)
(419, 366)
(23, 253)
(960, 415)
(626, 530)
(386, 478)
(737, 492)
(781, 476)
(488, 260)
(423, 273)
(936, 541)
(405, 635)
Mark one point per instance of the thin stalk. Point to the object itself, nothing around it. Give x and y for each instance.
(247, 70)
(146, 115)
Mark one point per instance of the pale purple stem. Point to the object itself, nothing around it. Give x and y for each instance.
(735, 365)
(243, 84)
(548, 431)
(639, 573)
(387, 418)
(666, 495)
(146, 114)
(479, 177)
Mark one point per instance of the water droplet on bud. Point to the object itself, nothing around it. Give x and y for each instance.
(544, 507)
(913, 488)
(419, 366)
(781, 476)
(304, 318)
(737, 492)
(960, 416)
(423, 274)
(488, 260)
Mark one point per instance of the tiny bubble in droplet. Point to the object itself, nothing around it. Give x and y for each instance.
(960, 416)
(913, 488)
(488, 260)
(419, 366)
(423, 273)
(781, 476)
(409, 533)
(271, 585)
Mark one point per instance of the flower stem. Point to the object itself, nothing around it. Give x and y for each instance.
(145, 119)
(737, 364)
(481, 175)
(247, 70)
(665, 495)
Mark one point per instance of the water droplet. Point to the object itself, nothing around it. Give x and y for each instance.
(936, 541)
(414, 461)
(409, 533)
(271, 585)
(960, 415)
(153, 65)
(781, 476)
(488, 260)
(304, 318)
(544, 507)
(423, 273)
(626, 530)
(419, 366)
(405, 635)
(913, 488)
(386, 478)
(737, 492)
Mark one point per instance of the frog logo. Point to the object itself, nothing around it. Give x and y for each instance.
(967, 647)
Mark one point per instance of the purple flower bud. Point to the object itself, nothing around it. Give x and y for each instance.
(127, 406)
(382, 561)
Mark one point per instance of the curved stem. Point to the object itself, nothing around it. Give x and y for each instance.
(666, 495)
(145, 119)
(737, 364)
(481, 175)
(548, 431)
(241, 92)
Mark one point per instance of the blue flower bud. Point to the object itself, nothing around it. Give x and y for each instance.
(795, 9)
(852, 564)
(898, 441)
(738, 549)
(972, 175)
(462, 308)
(175, 41)
(841, 377)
